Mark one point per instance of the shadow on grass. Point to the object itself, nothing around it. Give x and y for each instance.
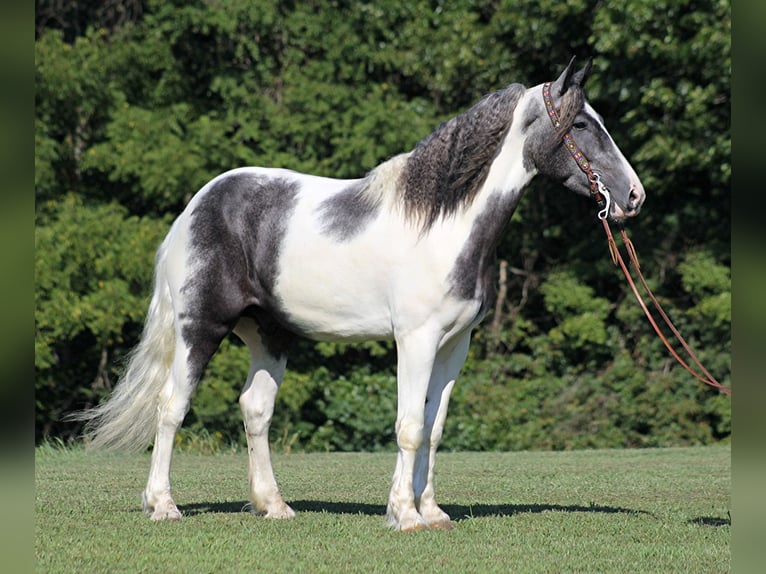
(710, 521)
(457, 512)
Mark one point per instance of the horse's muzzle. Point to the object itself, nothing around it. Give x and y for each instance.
(636, 197)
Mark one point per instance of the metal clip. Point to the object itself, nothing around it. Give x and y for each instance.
(604, 213)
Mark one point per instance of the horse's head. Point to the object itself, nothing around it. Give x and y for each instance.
(568, 142)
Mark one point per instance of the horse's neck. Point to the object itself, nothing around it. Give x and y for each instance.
(502, 189)
(508, 173)
(481, 224)
(471, 277)
(488, 217)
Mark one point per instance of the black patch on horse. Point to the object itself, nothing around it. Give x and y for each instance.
(347, 213)
(473, 276)
(236, 233)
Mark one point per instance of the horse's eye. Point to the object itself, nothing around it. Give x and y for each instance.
(579, 125)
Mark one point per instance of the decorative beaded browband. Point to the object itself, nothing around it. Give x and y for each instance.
(598, 189)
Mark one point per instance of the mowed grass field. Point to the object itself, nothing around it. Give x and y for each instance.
(654, 510)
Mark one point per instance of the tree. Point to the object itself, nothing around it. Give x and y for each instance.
(138, 105)
(92, 265)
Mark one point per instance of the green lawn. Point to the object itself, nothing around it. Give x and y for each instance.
(657, 510)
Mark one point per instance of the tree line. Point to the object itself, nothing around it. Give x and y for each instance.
(139, 103)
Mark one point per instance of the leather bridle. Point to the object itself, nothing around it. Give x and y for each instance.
(597, 189)
(603, 198)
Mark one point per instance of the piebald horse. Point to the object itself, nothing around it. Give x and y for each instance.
(405, 253)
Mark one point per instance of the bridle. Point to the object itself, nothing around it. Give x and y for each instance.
(603, 198)
(597, 189)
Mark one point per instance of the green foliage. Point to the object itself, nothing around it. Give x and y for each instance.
(360, 414)
(580, 313)
(676, 105)
(93, 264)
(134, 114)
(702, 276)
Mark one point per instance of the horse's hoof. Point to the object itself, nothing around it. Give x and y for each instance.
(166, 514)
(417, 527)
(412, 523)
(285, 513)
(442, 525)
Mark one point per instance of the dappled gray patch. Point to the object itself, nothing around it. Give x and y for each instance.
(347, 213)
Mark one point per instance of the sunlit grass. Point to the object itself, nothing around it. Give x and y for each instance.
(660, 510)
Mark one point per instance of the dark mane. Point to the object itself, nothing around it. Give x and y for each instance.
(446, 169)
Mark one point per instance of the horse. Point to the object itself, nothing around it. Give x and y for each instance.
(405, 253)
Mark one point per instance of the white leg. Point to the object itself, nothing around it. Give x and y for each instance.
(257, 404)
(448, 364)
(173, 406)
(415, 362)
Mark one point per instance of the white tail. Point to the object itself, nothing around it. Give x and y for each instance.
(128, 419)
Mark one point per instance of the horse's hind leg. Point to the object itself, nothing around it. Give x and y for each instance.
(188, 364)
(257, 404)
(172, 408)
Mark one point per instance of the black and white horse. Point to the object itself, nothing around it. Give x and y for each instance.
(407, 252)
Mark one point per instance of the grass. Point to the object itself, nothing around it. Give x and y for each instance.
(654, 510)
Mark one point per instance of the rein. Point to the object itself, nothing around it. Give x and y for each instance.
(601, 195)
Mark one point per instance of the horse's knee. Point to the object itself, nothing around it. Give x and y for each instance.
(256, 423)
(409, 434)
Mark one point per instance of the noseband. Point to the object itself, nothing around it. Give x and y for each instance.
(597, 188)
(601, 194)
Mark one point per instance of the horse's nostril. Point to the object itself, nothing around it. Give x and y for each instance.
(634, 197)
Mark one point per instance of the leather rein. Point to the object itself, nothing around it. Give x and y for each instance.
(603, 198)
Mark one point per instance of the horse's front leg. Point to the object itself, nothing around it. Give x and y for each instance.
(414, 365)
(445, 371)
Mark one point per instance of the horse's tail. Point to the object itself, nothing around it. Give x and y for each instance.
(128, 419)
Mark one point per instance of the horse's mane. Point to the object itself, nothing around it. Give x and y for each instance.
(447, 169)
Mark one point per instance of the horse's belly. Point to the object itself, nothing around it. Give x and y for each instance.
(324, 307)
(334, 292)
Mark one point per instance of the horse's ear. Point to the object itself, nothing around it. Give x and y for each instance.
(581, 76)
(562, 83)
